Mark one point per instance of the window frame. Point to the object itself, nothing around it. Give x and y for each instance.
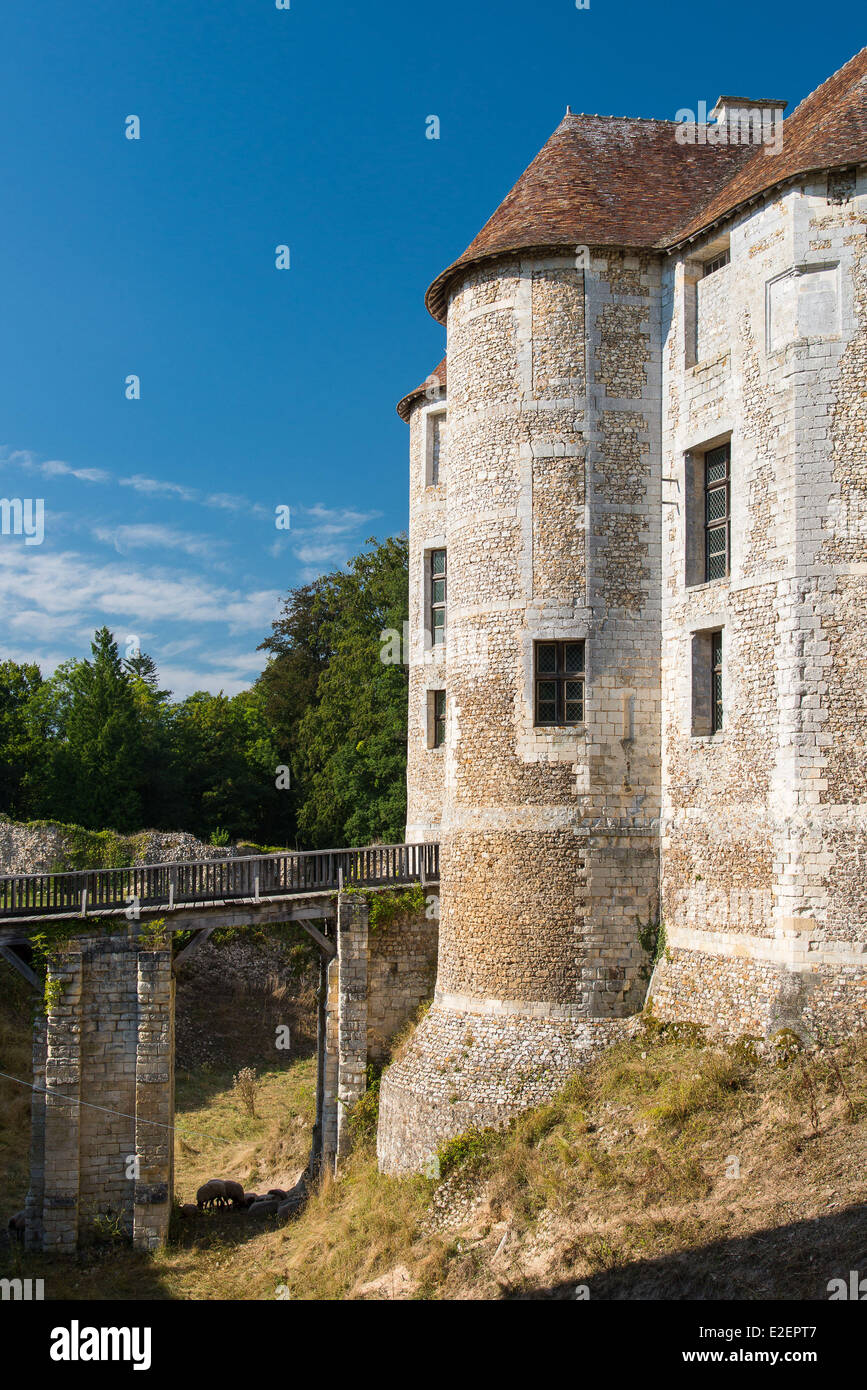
(717, 693)
(437, 605)
(716, 262)
(435, 420)
(560, 678)
(718, 523)
(438, 718)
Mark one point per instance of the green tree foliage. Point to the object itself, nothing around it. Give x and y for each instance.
(22, 742)
(101, 745)
(348, 738)
(98, 766)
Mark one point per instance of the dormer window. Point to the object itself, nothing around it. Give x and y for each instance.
(715, 263)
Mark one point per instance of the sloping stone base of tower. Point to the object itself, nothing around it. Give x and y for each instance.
(756, 986)
(466, 1070)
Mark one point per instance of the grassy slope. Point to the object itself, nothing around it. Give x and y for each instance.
(620, 1183)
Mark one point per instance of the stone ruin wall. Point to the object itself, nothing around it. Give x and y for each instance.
(39, 847)
(763, 832)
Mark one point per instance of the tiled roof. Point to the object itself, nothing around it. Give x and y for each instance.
(599, 180)
(621, 181)
(405, 406)
(827, 130)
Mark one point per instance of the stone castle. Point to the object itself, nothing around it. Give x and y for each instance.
(638, 585)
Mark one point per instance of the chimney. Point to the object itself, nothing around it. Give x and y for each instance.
(749, 120)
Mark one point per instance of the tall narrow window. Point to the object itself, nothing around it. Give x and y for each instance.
(559, 683)
(439, 718)
(717, 512)
(438, 597)
(707, 682)
(436, 446)
(716, 682)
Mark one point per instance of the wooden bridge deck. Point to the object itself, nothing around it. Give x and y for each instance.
(212, 884)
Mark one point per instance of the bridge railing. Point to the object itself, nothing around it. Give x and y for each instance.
(215, 880)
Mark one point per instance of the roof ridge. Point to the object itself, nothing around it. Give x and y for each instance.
(596, 116)
(824, 83)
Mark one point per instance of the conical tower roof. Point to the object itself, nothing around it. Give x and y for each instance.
(599, 180)
(405, 406)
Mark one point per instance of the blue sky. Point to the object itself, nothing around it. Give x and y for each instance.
(259, 387)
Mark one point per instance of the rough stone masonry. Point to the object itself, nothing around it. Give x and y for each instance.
(650, 436)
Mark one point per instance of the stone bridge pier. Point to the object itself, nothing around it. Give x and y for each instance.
(102, 1139)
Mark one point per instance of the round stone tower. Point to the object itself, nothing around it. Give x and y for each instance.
(551, 779)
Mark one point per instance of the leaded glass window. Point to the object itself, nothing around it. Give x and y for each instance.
(716, 682)
(438, 597)
(717, 508)
(559, 683)
(439, 718)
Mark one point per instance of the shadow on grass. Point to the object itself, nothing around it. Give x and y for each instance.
(795, 1261)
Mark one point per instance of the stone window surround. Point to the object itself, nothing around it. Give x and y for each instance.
(694, 514)
(693, 272)
(431, 544)
(553, 743)
(435, 408)
(698, 717)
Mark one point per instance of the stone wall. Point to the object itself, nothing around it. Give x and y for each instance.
(764, 824)
(425, 766)
(401, 975)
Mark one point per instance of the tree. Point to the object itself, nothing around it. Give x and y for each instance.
(98, 770)
(229, 763)
(352, 737)
(24, 751)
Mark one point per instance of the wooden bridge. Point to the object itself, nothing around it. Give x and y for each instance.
(104, 1044)
(157, 889)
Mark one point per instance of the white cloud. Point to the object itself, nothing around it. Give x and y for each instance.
(157, 487)
(153, 536)
(65, 587)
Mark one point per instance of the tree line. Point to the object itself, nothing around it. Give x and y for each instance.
(312, 755)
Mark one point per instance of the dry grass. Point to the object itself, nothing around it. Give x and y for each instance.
(624, 1181)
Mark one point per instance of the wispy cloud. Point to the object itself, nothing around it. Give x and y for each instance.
(51, 468)
(70, 589)
(158, 487)
(153, 536)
